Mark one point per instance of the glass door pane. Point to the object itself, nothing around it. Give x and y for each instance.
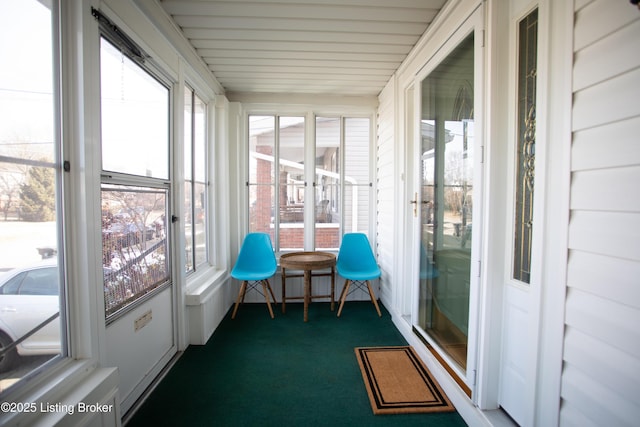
(447, 134)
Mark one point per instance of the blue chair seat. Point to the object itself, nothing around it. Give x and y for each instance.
(359, 275)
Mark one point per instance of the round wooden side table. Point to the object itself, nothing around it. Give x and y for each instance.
(307, 262)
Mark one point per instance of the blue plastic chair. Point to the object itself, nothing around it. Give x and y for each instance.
(256, 263)
(357, 265)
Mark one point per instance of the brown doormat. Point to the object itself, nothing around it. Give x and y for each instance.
(397, 382)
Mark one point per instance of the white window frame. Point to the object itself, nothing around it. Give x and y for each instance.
(207, 203)
(309, 147)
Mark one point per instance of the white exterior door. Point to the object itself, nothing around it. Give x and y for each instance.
(520, 290)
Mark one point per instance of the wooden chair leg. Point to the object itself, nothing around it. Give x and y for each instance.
(266, 285)
(373, 298)
(343, 295)
(333, 287)
(271, 291)
(284, 290)
(243, 290)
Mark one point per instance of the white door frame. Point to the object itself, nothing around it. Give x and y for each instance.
(473, 24)
(507, 295)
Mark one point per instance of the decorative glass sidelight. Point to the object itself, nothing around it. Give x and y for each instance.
(447, 169)
(526, 143)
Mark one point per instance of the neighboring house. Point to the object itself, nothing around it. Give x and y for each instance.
(512, 181)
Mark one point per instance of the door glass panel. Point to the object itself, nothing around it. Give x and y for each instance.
(134, 244)
(135, 144)
(447, 134)
(135, 117)
(527, 79)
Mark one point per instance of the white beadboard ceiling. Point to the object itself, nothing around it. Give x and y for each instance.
(320, 47)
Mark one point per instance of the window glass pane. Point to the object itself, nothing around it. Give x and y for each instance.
(134, 243)
(200, 140)
(188, 179)
(199, 233)
(291, 182)
(356, 176)
(30, 281)
(135, 112)
(261, 174)
(261, 149)
(200, 193)
(188, 227)
(327, 202)
(188, 128)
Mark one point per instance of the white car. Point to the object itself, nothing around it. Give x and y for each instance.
(28, 297)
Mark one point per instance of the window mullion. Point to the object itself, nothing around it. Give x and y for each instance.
(310, 182)
(342, 159)
(276, 184)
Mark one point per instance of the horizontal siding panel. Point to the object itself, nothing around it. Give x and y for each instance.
(384, 175)
(233, 63)
(213, 55)
(352, 88)
(240, 37)
(612, 145)
(600, 18)
(606, 233)
(606, 321)
(195, 34)
(604, 407)
(609, 366)
(267, 45)
(288, 71)
(299, 11)
(606, 189)
(385, 171)
(579, 4)
(572, 416)
(615, 279)
(607, 57)
(257, 23)
(607, 102)
(601, 375)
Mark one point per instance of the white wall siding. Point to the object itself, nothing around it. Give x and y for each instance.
(601, 375)
(385, 186)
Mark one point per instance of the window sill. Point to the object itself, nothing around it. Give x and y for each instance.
(202, 285)
(301, 225)
(70, 383)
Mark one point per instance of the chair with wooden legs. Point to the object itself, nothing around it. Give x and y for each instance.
(256, 263)
(357, 264)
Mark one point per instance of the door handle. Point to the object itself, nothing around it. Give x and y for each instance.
(414, 202)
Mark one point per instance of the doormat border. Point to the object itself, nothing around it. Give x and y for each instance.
(439, 403)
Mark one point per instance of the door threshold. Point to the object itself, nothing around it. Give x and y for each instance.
(444, 363)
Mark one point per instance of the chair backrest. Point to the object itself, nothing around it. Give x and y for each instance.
(356, 258)
(256, 259)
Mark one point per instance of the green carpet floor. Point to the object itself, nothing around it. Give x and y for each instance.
(255, 371)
